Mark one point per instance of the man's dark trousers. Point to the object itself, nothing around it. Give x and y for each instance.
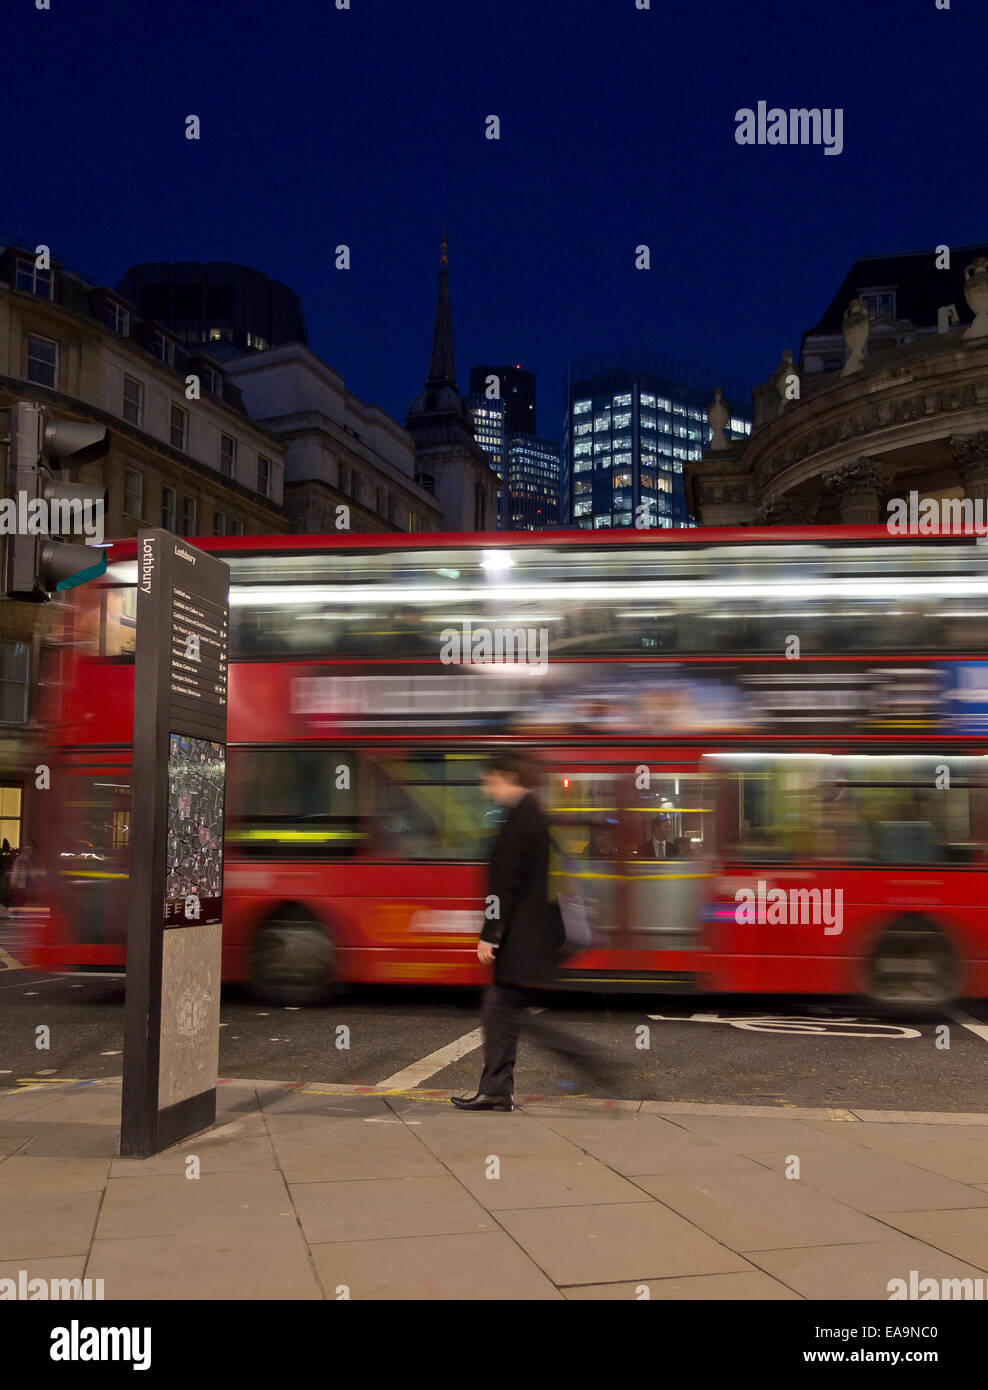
(504, 1017)
(528, 934)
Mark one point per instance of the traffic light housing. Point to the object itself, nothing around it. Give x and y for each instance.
(35, 565)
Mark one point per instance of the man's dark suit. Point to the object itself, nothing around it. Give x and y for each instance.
(526, 930)
(647, 850)
(528, 934)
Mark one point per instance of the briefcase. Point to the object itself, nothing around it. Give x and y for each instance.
(576, 925)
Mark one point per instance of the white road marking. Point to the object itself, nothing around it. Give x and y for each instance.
(966, 1021)
(428, 1066)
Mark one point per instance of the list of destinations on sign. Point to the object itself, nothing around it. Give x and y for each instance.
(199, 634)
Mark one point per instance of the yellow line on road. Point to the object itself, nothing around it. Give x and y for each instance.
(9, 963)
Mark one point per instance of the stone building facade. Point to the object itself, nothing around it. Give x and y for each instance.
(339, 451)
(196, 467)
(905, 412)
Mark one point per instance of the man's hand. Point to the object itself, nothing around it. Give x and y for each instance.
(485, 952)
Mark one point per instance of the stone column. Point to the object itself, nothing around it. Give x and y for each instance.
(860, 488)
(971, 456)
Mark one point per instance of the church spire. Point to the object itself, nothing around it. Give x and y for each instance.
(441, 369)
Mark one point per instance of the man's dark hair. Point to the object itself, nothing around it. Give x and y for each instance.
(516, 765)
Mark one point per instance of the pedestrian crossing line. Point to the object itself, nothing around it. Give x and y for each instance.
(980, 1030)
(435, 1061)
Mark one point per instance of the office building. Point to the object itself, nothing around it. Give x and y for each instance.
(515, 387)
(230, 309)
(532, 483)
(633, 419)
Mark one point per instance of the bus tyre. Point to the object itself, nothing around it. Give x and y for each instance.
(912, 965)
(291, 958)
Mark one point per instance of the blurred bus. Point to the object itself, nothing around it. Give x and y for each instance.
(806, 710)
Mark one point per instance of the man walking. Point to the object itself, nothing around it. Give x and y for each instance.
(522, 942)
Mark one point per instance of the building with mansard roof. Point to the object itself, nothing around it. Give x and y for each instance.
(889, 396)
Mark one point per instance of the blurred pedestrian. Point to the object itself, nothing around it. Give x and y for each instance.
(6, 863)
(523, 942)
(22, 878)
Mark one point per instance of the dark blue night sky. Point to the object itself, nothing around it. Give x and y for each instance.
(367, 127)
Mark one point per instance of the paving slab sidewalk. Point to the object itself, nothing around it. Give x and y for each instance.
(309, 1191)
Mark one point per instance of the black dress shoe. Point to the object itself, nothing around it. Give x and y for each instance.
(482, 1102)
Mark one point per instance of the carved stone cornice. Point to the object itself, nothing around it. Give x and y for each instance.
(860, 475)
(786, 511)
(906, 394)
(970, 448)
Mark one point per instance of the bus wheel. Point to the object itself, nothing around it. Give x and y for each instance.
(913, 966)
(291, 959)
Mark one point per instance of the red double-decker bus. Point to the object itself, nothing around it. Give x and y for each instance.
(765, 758)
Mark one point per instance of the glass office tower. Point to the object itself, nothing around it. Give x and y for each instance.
(490, 432)
(533, 483)
(632, 419)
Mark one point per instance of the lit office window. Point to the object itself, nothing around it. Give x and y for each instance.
(10, 805)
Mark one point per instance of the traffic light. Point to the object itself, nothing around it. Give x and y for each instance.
(44, 503)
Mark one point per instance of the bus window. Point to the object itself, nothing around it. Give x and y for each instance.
(585, 856)
(431, 806)
(88, 854)
(668, 869)
(294, 802)
(865, 809)
(119, 637)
